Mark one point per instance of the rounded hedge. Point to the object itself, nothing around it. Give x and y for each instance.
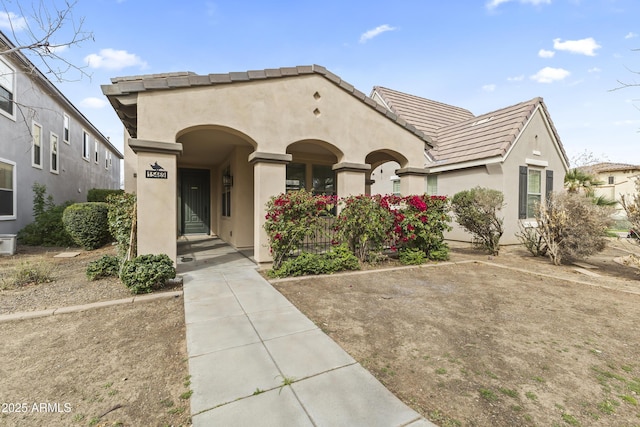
(147, 272)
(87, 224)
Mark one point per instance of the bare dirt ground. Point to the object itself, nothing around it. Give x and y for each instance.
(507, 341)
(124, 365)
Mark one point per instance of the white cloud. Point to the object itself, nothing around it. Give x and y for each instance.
(516, 78)
(542, 53)
(489, 87)
(492, 4)
(111, 59)
(10, 21)
(93, 102)
(375, 32)
(583, 46)
(550, 75)
(630, 35)
(594, 70)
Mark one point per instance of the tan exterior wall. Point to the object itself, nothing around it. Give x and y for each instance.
(624, 183)
(534, 148)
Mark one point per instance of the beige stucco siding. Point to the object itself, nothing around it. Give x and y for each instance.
(276, 113)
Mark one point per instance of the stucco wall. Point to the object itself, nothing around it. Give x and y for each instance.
(624, 184)
(76, 176)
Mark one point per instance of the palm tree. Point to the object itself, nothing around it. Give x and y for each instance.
(580, 181)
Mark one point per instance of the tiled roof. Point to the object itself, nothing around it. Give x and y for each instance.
(458, 135)
(424, 114)
(126, 107)
(609, 167)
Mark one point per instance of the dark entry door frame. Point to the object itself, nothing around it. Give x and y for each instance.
(195, 201)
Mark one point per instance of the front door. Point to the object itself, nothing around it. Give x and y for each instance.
(194, 210)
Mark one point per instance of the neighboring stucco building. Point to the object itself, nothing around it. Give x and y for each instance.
(516, 150)
(204, 153)
(615, 180)
(45, 139)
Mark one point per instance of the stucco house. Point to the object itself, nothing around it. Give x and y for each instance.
(44, 138)
(515, 149)
(204, 153)
(615, 180)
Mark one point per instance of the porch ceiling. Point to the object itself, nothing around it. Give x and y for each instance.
(207, 147)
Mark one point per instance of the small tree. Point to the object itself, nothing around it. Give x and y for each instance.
(570, 226)
(477, 212)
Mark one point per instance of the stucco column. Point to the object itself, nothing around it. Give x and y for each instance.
(156, 190)
(269, 175)
(412, 180)
(351, 178)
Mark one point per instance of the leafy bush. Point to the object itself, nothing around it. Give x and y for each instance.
(419, 223)
(106, 266)
(101, 194)
(292, 217)
(476, 211)
(571, 226)
(338, 258)
(631, 206)
(47, 228)
(87, 224)
(412, 256)
(145, 273)
(364, 225)
(120, 216)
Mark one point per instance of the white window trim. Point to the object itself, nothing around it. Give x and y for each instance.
(13, 92)
(106, 159)
(33, 152)
(88, 145)
(15, 191)
(66, 128)
(52, 135)
(96, 157)
(529, 191)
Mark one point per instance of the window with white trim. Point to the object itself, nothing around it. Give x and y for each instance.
(95, 151)
(85, 145)
(395, 187)
(7, 90)
(53, 153)
(66, 123)
(432, 185)
(534, 191)
(36, 146)
(106, 159)
(7, 190)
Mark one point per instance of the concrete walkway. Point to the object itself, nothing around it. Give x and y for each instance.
(254, 359)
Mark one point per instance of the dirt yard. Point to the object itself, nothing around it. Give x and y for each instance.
(483, 342)
(124, 365)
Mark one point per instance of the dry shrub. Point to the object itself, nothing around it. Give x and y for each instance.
(569, 227)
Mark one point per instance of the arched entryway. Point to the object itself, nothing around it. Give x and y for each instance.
(215, 184)
(311, 167)
(381, 178)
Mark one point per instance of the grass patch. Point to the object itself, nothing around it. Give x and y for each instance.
(531, 395)
(441, 371)
(487, 394)
(443, 420)
(629, 399)
(608, 406)
(570, 419)
(509, 392)
(186, 395)
(29, 273)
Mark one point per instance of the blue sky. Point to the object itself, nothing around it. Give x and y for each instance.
(477, 54)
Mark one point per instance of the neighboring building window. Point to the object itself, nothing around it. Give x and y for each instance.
(36, 146)
(226, 195)
(534, 191)
(65, 130)
(612, 180)
(95, 151)
(7, 89)
(107, 154)
(432, 185)
(396, 187)
(296, 174)
(85, 145)
(7, 190)
(323, 179)
(53, 139)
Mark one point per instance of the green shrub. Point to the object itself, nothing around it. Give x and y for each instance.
(147, 272)
(106, 266)
(31, 273)
(412, 256)
(339, 258)
(122, 209)
(87, 224)
(101, 194)
(477, 212)
(364, 224)
(47, 228)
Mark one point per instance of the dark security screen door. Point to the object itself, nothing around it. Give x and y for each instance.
(194, 188)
